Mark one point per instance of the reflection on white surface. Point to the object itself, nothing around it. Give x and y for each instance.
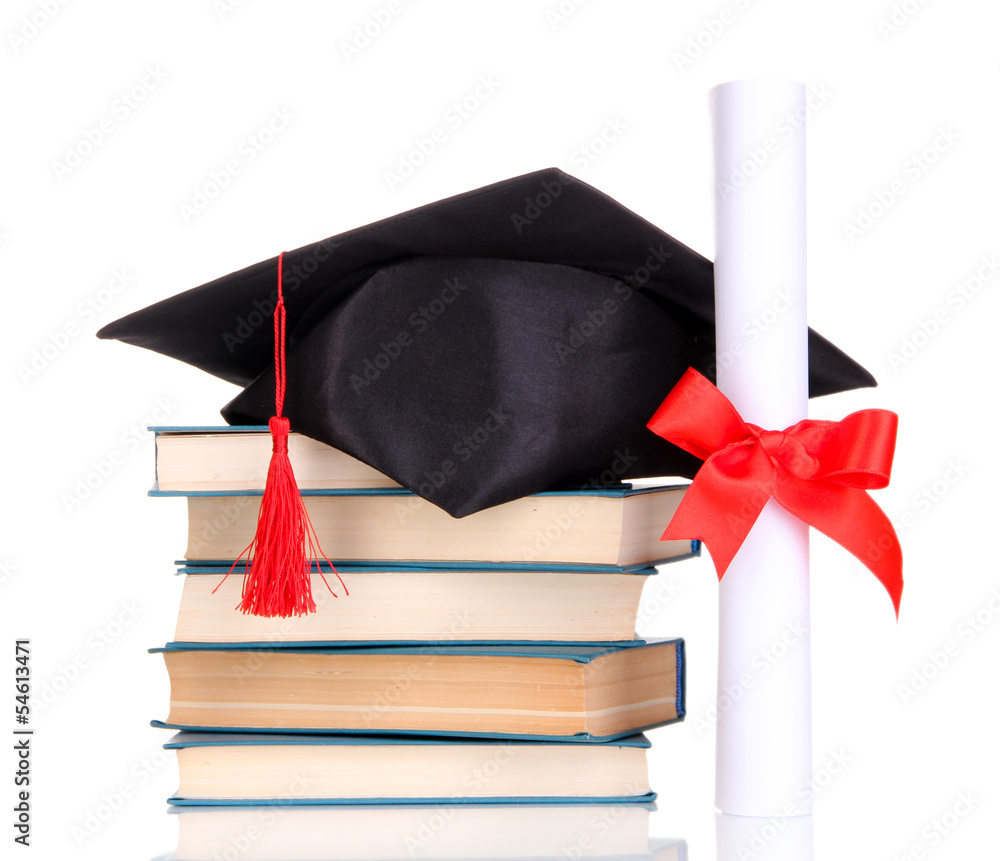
(428, 831)
(774, 838)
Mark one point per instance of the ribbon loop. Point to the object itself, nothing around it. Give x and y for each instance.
(817, 470)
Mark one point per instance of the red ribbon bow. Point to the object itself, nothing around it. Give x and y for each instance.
(817, 470)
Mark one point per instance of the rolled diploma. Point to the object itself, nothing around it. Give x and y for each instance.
(763, 733)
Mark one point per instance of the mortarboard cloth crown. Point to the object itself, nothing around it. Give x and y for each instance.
(501, 342)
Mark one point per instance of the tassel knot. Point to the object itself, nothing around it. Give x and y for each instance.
(280, 427)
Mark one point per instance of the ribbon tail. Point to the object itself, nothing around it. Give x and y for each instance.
(722, 504)
(853, 519)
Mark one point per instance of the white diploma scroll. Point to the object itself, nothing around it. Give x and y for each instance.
(763, 733)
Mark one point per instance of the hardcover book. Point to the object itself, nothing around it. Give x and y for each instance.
(237, 768)
(397, 831)
(577, 693)
(234, 458)
(413, 605)
(618, 526)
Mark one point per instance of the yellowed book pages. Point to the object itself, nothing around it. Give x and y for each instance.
(468, 770)
(238, 461)
(477, 690)
(425, 605)
(585, 528)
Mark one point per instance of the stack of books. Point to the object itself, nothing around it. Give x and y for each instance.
(476, 662)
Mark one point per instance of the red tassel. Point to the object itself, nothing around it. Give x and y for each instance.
(277, 574)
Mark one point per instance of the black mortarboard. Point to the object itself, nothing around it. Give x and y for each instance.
(509, 340)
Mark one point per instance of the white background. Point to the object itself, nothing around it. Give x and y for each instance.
(89, 580)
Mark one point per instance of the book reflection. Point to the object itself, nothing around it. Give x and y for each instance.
(350, 832)
(774, 838)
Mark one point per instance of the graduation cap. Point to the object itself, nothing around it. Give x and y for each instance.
(505, 341)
